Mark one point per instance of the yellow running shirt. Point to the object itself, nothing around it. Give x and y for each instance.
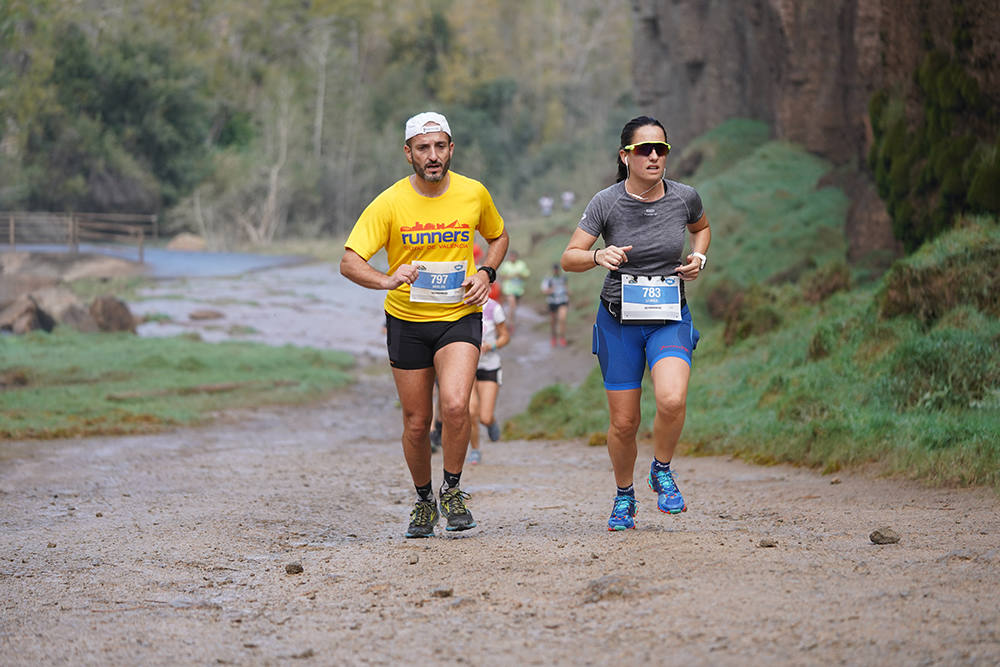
(414, 228)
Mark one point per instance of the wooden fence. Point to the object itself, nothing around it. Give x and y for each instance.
(71, 229)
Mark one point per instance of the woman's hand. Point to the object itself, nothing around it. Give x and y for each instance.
(612, 257)
(690, 270)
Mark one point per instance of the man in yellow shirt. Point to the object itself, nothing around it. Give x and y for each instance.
(427, 222)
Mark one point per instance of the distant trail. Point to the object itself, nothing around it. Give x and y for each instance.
(172, 548)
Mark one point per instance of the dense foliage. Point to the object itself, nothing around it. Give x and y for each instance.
(939, 159)
(126, 115)
(250, 121)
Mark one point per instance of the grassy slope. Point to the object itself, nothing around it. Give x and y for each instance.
(831, 383)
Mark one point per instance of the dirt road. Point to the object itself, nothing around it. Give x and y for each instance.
(175, 549)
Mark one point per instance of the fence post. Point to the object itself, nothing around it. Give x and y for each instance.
(74, 234)
(142, 259)
(13, 236)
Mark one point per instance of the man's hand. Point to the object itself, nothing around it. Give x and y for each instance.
(404, 274)
(477, 288)
(357, 269)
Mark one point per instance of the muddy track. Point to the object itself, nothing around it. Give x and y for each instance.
(176, 548)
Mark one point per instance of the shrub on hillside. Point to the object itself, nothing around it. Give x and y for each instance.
(751, 313)
(960, 270)
(721, 297)
(946, 368)
(824, 282)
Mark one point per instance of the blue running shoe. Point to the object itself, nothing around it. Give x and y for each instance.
(623, 513)
(493, 430)
(669, 498)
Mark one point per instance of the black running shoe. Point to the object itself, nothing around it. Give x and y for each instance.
(493, 429)
(436, 438)
(423, 518)
(453, 507)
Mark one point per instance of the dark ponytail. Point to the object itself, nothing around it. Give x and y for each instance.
(627, 133)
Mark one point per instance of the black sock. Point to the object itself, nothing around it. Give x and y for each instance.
(451, 479)
(627, 491)
(424, 492)
(659, 465)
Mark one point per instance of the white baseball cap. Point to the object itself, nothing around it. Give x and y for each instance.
(428, 121)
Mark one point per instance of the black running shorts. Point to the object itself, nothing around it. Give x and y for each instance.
(484, 375)
(412, 345)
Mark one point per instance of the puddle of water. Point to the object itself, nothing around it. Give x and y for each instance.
(310, 305)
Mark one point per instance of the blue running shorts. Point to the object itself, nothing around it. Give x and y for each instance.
(624, 350)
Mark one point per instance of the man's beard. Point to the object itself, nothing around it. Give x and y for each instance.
(420, 171)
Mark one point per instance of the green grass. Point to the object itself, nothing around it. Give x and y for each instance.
(67, 384)
(838, 386)
(806, 361)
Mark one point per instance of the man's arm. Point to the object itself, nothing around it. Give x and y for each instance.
(496, 250)
(354, 267)
(477, 286)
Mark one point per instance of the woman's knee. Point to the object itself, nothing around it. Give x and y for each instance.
(671, 404)
(625, 426)
(486, 414)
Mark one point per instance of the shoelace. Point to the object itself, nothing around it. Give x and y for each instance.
(453, 501)
(665, 480)
(622, 506)
(422, 512)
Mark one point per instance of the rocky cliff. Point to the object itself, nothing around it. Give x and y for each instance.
(807, 68)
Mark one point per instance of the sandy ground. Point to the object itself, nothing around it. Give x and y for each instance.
(174, 548)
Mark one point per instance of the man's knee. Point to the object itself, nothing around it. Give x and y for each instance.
(454, 411)
(417, 424)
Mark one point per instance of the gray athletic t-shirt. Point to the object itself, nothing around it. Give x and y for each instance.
(654, 229)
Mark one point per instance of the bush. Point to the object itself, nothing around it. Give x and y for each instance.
(832, 278)
(940, 278)
(947, 368)
(751, 313)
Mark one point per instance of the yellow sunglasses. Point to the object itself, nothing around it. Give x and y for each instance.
(645, 148)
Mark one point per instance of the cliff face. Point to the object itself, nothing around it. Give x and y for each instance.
(806, 68)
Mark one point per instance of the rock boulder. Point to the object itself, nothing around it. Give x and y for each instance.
(25, 315)
(65, 308)
(112, 314)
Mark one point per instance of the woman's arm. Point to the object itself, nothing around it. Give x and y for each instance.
(503, 335)
(579, 257)
(701, 237)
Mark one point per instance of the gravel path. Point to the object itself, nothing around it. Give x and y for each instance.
(184, 547)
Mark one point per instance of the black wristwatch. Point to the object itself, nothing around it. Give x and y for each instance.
(491, 273)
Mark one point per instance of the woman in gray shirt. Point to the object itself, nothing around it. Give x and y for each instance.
(643, 319)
